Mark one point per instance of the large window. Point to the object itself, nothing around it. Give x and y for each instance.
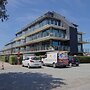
(58, 33)
(56, 43)
(45, 33)
(48, 32)
(54, 22)
(40, 24)
(79, 37)
(79, 48)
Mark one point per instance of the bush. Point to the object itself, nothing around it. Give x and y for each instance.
(2, 58)
(12, 60)
(83, 59)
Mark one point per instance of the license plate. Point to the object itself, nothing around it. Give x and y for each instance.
(36, 64)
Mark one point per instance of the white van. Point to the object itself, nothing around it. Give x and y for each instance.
(57, 58)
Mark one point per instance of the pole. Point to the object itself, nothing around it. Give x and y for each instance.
(2, 65)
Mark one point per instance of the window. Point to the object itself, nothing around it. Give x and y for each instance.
(35, 58)
(56, 32)
(55, 22)
(59, 22)
(55, 43)
(79, 48)
(79, 37)
(51, 21)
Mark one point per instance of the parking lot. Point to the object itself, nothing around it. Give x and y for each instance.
(16, 77)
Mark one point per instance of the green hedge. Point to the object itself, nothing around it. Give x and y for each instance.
(4, 58)
(83, 59)
(13, 60)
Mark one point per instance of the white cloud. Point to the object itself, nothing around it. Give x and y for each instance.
(18, 3)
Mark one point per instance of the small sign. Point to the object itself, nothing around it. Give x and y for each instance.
(62, 56)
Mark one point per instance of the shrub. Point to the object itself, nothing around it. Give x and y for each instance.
(12, 60)
(83, 59)
(2, 58)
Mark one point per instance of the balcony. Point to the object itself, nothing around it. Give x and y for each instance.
(38, 30)
(83, 42)
(47, 47)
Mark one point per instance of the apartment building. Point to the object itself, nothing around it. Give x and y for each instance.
(49, 32)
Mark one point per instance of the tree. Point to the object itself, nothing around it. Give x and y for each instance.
(3, 14)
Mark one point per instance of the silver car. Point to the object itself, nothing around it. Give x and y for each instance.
(32, 62)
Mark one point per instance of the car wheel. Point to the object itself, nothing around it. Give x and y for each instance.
(70, 64)
(22, 65)
(28, 66)
(77, 64)
(40, 66)
(65, 66)
(54, 65)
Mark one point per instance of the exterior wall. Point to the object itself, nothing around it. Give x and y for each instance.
(73, 41)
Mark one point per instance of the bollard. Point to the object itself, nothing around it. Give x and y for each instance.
(2, 66)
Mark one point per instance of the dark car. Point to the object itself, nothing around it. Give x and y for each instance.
(73, 61)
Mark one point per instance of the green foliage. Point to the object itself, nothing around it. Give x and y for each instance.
(2, 58)
(3, 15)
(7, 58)
(83, 59)
(13, 60)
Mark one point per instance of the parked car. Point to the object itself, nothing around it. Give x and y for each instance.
(73, 61)
(32, 61)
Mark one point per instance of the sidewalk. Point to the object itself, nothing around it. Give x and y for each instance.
(5, 65)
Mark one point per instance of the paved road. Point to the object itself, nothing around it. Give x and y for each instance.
(46, 78)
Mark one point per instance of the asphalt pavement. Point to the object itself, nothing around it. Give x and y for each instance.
(16, 77)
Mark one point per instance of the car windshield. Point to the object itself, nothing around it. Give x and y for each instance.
(35, 58)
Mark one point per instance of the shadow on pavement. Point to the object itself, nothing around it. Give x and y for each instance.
(29, 81)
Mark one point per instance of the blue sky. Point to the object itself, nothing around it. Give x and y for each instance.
(23, 12)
